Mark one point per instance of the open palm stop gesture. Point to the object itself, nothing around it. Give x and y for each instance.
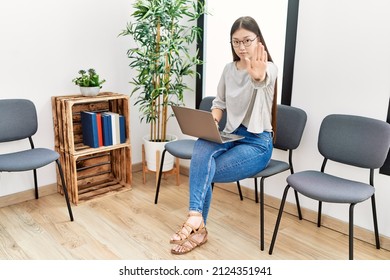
(257, 64)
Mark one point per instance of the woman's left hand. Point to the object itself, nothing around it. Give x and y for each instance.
(257, 65)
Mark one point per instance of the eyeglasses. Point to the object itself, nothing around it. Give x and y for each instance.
(246, 42)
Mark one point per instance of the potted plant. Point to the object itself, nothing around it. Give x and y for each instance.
(89, 82)
(164, 32)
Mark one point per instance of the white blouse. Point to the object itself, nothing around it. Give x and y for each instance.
(246, 101)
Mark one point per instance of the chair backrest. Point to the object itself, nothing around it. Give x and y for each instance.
(206, 104)
(291, 122)
(354, 140)
(18, 119)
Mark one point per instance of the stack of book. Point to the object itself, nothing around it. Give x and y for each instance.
(103, 128)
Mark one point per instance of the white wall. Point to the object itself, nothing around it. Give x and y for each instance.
(43, 45)
(269, 14)
(342, 65)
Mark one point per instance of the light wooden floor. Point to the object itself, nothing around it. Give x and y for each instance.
(129, 226)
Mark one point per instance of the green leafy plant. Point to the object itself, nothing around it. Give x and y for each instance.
(164, 32)
(88, 79)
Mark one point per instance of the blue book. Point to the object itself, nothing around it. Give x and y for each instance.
(107, 129)
(90, 129)
(122, 129)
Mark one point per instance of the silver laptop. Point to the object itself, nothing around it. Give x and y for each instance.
(201, 124)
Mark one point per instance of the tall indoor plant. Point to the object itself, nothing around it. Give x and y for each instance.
(163, 32)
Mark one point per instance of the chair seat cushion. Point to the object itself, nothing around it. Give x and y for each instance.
(274, 167)
(181, 148)
(328, 188)
(27, 160)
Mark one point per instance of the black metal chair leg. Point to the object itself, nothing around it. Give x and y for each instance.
(351, 231)
(256, 194)
(239, 190)
(261, 215)
(319, 214)
(376, 231)
(159, 176)
(36, 183)
(271, 248)
(65, 190)
(298, 205)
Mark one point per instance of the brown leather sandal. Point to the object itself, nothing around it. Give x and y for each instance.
(190, 243)
(186, 230)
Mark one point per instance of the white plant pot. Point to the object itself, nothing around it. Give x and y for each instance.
(89, 91)
(151, 149)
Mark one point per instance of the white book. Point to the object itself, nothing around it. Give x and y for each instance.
(115, 127)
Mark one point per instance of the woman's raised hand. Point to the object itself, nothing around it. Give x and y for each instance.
(257, 65)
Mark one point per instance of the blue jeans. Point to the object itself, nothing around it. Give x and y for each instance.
(222, 163)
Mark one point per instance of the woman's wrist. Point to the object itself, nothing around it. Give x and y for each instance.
(259, 80)
(216, 122)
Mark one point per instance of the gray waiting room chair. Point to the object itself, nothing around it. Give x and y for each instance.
(291, 122)
(18, 121)
(183, 148)
(352, 140)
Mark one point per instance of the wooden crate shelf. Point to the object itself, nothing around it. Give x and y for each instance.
(91, 172)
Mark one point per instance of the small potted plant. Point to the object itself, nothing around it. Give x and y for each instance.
(89, 82)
